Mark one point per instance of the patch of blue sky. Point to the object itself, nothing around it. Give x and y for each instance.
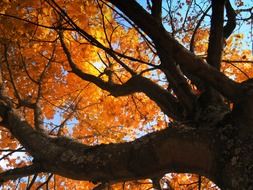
(52, 124)
(243, 27)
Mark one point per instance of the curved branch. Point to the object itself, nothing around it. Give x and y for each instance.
(216, 40)
(231, 23)
(187, 60)
(178, 82)
(171, 150)
(63, 15)
(196, 29)
(160, 96)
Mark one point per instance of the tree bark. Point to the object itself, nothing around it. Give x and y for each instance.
(222, 154)
(171, 150)
(221, 150)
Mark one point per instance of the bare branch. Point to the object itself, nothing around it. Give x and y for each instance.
(209, 74)
(156, 10)
(163, 98)
(20, 172)
(178, 82)
(11, 152)
(38, 118)
(216, 40)
(146, 38)
(171, 150)
(16, 92)
(45, 182)
(33, 23)
(231, 23)
(245, 74)
(187, 60)
(29, 185)
(196, 29)
(63, 15)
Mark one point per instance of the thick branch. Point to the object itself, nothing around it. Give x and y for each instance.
(177, 81)
(156, 10)
(216, 40)
(183, 92)
(19, 172)
(231, 23)
(153, 28)
(187, 60)
(170, 150)
(198, 67)
(160, 96)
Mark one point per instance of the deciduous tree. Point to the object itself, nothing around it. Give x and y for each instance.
(126, 94)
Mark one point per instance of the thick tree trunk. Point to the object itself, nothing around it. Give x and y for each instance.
(171, 150)
(238, 164)
(215, 142)
(238, 146)
(222, 153)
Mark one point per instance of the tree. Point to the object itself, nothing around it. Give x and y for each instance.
(81, 81)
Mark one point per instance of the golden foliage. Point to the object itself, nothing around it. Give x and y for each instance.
(34, 55)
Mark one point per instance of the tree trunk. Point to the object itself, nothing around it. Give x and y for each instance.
(238, 164)
(208, 138)
(225, 158)
(238, 146)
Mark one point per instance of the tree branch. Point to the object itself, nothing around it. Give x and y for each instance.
(30, 184)
(156, 10)
(215, 48)
(178, 82)
(231, 23)
(160, 96)
(187, 60)
(45, 182)
(196, 29)
(216, 40)
(38, 118)
(198, 67)
(12, 81)
(171, 150)
(10, 153)
(63, 15)
(19, 172)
